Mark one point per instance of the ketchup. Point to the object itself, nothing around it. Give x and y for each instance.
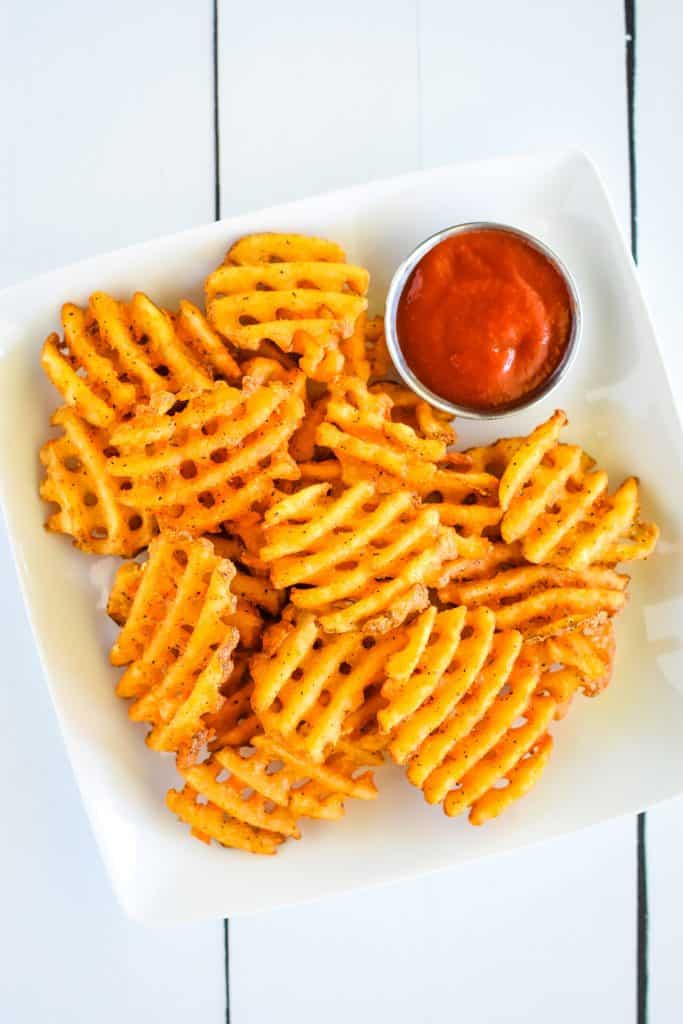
(484, 318)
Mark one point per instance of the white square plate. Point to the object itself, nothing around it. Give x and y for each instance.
(615, 755)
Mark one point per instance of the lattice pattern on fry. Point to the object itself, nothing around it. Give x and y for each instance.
(465, 713)
(295, 291)
(208, 460)
(256, 794)
(376, 351)
(559, 508)
(409, 408)
(581, 660)
(359, 429)
(542, 600)
(88, 498)
(114, 355)
(359, 560)
(176, 640)
(306, 683)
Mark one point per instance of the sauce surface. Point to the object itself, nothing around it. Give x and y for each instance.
(484, 319)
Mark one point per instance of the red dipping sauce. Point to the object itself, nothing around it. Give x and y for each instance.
(484, 319)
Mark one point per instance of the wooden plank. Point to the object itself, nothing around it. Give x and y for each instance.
(544, 932)
(109, 125)
(314, 98)
(111, 142)
(659, 164)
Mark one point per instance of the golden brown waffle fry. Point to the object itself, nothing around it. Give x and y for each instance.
(295, 291)
(376, 351)
(210, 459)
(353, 349)
(409, 408)
(306, 683)
(176, 641)
(558, 507)
(359, 429)
(115, 355)
(582, 660)
(256, 794)
(359, 561)
(464, 712)
(544, 600)
(89, 498)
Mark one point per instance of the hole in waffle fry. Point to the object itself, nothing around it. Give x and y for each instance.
(345, 669)
(73, 463)
(368, 642)
(325, 698)
(188, 469)
(206, 499)
(110, 452)
(162, 370)
(220, 455)
(247, 321)
(210, 427)
(180, 556)
(126, 485)
(99, 533)
(297, 673)
(135, 522)
(177, 407)
(467, 632)
(90, 499)
(261, 286)
(317, 644)
(304, 283)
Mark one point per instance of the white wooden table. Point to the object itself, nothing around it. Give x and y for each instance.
(124, 121)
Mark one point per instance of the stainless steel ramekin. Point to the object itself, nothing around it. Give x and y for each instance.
(398, 283)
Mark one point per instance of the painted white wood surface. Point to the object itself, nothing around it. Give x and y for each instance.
(659, 103)
(110, 122)
(98, 158)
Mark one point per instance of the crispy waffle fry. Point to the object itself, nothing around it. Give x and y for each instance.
(88, 498)
(295, 291)
(176, 640)
(114, 355)
(256, 794)
(581, 660)
(376, 351)
(464, 712)
(209, 460)
(359, 429)
(409, 408)
(542, 601)
(306, 683)
(360, 560)
(559, 508)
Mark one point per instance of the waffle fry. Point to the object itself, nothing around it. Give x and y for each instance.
(581, 660)
(409, 408)
(359, 429)
(306, 683)
(114, 355)
(358, 561)
(376, 351)
(256, 795)
(559, 508)
(176, 640)
(210, 460)
(542, 601)
(295, 291)
(456, 693)
(89, 503)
